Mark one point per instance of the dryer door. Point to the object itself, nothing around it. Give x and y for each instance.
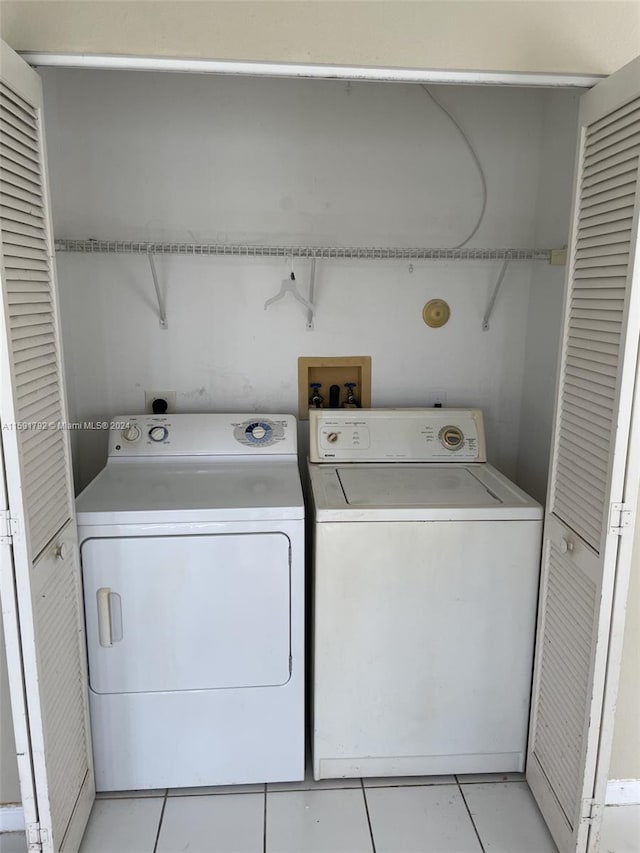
(171, 613)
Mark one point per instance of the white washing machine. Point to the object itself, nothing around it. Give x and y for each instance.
(192, 547)
(426, 564)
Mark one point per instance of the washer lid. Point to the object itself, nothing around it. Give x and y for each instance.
(160, 491)
(417, 492)
(395, 485)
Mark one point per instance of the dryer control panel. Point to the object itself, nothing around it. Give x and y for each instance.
(134, 436)
(395, 435)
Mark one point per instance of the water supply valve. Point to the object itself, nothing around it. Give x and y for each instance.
(316, 400)
(351, 402)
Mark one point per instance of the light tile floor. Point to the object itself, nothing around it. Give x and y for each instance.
(478, 814)
(620, 832)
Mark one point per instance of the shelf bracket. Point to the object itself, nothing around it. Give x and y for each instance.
(161, 305)
(494, 296)
(312, 295)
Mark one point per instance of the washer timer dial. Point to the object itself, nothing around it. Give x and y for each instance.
(452, 437)
(258, 432)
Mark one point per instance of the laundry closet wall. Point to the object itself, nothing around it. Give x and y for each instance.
(203, 159)
(544, 318)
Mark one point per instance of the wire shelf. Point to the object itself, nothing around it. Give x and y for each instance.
(125, 247)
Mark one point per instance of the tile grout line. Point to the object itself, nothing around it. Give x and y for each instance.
(130, 795)
(164, 806)
(212, 793)
(366, 808)
(412, 785)
(464, 781)
(316, 787)
(264, 822)
(473, 823)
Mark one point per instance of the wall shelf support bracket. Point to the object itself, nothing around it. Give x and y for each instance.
(312, 294)
(162, 311)
(494, 296)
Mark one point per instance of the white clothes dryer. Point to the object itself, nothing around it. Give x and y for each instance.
(192, 547)
(426, 564)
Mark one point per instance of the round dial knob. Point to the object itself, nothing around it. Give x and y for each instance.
(258, 432)
(332, 437)
(158, 433)
(131, 433)
(452, 437)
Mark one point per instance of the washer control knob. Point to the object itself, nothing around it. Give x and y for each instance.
(131, 433)
(452, 437)
(332, 437)
(258, 432)
(158, 433)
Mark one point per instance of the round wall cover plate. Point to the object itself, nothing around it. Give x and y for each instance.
(436, 313)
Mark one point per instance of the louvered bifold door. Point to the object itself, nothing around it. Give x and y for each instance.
(40, 578)
(588, 483)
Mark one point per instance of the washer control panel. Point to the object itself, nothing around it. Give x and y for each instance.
(135, 436)
(386, 435)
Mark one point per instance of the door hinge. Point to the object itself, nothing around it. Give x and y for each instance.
(35, 837)
(591, 810)
(8, 527)
(620, 515)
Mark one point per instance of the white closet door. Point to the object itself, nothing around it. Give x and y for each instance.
(39, 578)
(590, 474)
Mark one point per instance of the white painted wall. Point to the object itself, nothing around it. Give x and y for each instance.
(492, 35)
(164, 157)
(557, 157)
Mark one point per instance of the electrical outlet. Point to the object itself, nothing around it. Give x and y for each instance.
(437, 398)
(150, 396)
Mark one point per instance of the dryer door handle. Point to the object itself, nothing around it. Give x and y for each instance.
(109, 617)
